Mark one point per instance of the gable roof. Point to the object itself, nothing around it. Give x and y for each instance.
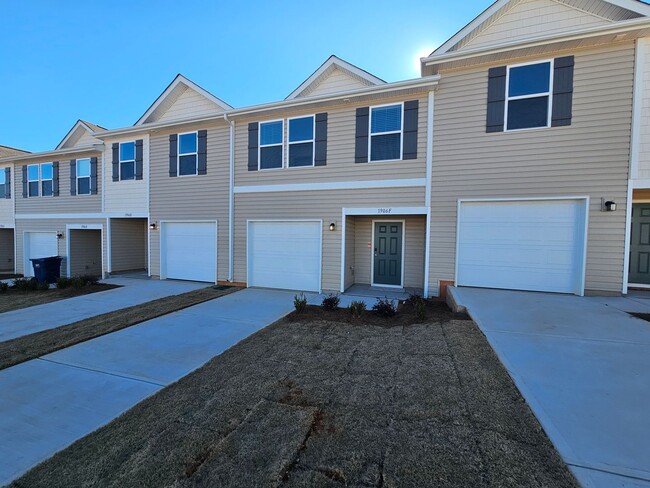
(326, 69)
(6, 151)
(618, 10)
(175, 89)
(78, 129)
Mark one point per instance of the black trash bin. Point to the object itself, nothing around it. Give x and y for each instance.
(47, 270)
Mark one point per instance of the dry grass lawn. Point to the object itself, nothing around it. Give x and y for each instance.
(321, 401)
(13, 299)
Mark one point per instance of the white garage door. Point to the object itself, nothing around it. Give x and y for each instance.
(522, 245)
(39, 245)
(189, 251)
(285, 255)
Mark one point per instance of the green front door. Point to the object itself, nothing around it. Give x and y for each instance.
(388, 254)
(640, 244)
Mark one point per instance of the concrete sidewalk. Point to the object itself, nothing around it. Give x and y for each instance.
(583, 365)
(25, 321)
(48, 403)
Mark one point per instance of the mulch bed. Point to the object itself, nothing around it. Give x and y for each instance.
(14, 299)
(311, 401)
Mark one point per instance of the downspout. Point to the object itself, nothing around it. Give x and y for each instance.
(231, 198)
(427, 192)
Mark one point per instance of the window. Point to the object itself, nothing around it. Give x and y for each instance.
(33, 178)
(83, 176)
(46, 179)
(127, 160)
(3, 184)
(270, 147)
(528, 96)
(301, 142)
(187, 154)
(386, 133)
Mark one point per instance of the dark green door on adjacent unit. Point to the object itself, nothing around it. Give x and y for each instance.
(640, 244)
(388, 254)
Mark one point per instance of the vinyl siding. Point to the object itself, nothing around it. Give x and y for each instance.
(64, 203)
(414, 241)
(350, 254)
(340, 166)
(128, 244)
(201, 197)
(336, 81)
(86, 139)
(7, 204)
(7, 250)
(590, 157)
(128, 196)
(85, 252)
(325, 205)
(54, 226)
(189, 104)
(644, 129)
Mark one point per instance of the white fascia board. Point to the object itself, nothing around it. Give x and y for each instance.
(53, 154)
(334, 185)
(79, 124)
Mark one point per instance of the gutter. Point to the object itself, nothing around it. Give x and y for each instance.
(56, 152)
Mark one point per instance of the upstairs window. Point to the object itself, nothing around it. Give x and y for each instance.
(270, 146)
(528, 96)
(127, 160)
(83, 176)
(386, 133)
(33, 180)
(3, 184)
(301, 142)
(187, 154)
(47, 175)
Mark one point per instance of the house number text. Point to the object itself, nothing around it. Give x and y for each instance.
(384, 210)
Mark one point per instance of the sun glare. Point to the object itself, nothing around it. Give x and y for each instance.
(420, 54)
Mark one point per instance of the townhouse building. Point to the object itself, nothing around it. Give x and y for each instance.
(519, 159)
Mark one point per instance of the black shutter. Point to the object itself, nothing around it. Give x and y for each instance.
(73, 177)
(253, 135)
(8, 183)
(496, 101)
(55, 179)
(24, 181)
(320, 140)
(138, 159)
(202, 167)
(173, 154)
(361, 138)
(93, 176)
(116, 161)
(562, 91)
(410, 148)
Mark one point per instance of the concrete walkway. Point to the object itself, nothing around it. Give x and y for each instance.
(48, 403)
(583, 365)
(25, 321)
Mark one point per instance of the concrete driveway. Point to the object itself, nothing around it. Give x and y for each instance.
(25, 321)
(583, 365)
(48, 403)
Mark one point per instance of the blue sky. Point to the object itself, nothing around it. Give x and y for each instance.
(107, 61)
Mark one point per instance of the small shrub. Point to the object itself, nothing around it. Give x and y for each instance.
(3, 287)
(421, 309)
(413, 299)
(300, 303)
(356, 308)
(384, 308)
(89, 279)
(77, 283)
(330, 302)
(63, 283)
(25, 284)
(44, 286)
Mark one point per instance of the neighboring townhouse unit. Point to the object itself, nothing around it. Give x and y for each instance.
(7, 219)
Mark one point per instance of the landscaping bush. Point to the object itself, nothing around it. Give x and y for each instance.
(356, 308)
(421, 309)
(63, 283)
(42, 286)
(330, 302)
(413, 299)
(89, 279)
(300, 303)
(384, 307)
(3, 287)
(77, 282)
(25, 284)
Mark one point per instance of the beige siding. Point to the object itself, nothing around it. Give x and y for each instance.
(64, 203)
(85, 252)
(54, 226)
(534, 18)
(350, 255)
(644, 129)
(126, 197)
(7, 250)
(128, 244)
(202, 197)
(414, 240)
(340, 151)
(7, 204)
(590, 157)
(325, 205)
(189, 104)
(86, 139)
(336, 81)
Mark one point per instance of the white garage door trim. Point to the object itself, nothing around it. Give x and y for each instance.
(70, 227)
(580, 288)
(163, 249)
(27, 264)
(320, 246)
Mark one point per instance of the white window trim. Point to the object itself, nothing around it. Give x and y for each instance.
(38, 180)
(120, 160)
(178, 154)
(549, 94)
(4, 183)
(41, 179)
(312, 140)
(400, 132)
(79, 177)
(260, 145)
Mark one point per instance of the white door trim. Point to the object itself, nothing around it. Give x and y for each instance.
(163, 249)
(70, 227)
(372, 253)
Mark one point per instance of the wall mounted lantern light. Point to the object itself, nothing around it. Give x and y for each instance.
(153, 225)
(607, 205)
(332, 226)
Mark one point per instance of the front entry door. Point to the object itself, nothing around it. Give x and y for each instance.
(640, 244)
(387, 259)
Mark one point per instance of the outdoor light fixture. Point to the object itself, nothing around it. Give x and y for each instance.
(153, 226)
(332, 226)
(59, 235)
(607, 206)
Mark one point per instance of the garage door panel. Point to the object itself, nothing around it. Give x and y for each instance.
(190, 251)
(522, 245)
(39, 245)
